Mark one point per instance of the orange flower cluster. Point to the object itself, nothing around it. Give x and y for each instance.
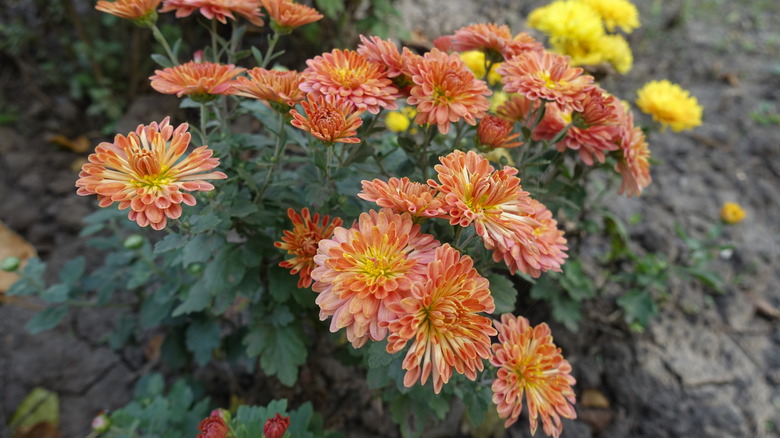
(529, 363)
(302, 242)
(634, 165)
(402, 195)
(219, 10)
(145, 171)
(496, 41)
(202, 81)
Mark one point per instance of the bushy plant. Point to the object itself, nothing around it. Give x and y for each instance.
(388, 183)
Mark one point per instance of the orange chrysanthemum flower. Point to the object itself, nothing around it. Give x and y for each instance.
(495, 40)
(402, 195)
(529, 362)
(634, 167)
(143, 12)
(441, 315)
(474, 192)
(349, 75)
(332, 120)
(287, 15)
(302, 242)
(546, 76)
(146, 172)
(202, 81)
(548, 239)
(445, 91)
(362, 270)
(517, 108)
(278, 88)
(216, 9)
(593, 132)
(385, 53)
(496, 132)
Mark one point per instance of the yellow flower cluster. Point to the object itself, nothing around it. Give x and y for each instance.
(670, 105)
(578, 28)
(475, 61)
(732, 213)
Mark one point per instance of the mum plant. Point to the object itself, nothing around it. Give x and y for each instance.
(388, 207)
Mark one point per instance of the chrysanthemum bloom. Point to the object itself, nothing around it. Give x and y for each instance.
(517, 107)
(213, 427)
(446, 91)
(495, 203)
(218, 10)
(565, 20)
(634, 166)
(548, 239)
(617, 52)
(441, 316)
(278, 88)
(386, 54)
(275, 427)
(546, 76)
(361, 270)
(496, 132)
(350, 76)
(616, 13)
(475, 60)
(287, 15)
(146, 172)
(202, 81)
(494, 40)
(330, 119)
(593, 131)
(142, 12)
(669, 105)
(529, 363)
(396, 121)
(302, 242)
(402, 195)
(732, 213)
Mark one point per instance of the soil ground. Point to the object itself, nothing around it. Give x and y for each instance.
(707, 366)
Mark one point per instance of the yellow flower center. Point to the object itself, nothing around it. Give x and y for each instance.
(147, 169)
(549, 82)
(349, 77)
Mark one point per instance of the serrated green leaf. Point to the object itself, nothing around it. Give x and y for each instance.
(122, 332)
(504, 293)
(477, 402)
(35, 268)
(378, 355)
(72, 271)
(198, 298)
(638, 305)
(149, 386)
(567, 312)
(46, 319)
(202, 338)
(153, 312)
(56, 293)
(206, 222)
(281, 350)
(169, 243)
(200, 248)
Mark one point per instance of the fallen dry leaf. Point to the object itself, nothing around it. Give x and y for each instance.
(79, 144)
(12, 245)
(593, 398)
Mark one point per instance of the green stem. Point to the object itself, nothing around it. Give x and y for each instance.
(204, 116)
(269, 52)
(278, 150)
(430, 133)
(214, 51)
(161, 39)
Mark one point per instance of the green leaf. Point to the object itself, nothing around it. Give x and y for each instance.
(477, 402)
(122, 332)
(149, 386)
(91, 229)
(200, 249)
(56, 293)
(567, 312)
(504, 293)
(198, 298)
(72, 271)
(282, 284)
(638, 305)
(140, 273)
(169, 243)
(281, 350)
(378, 355)
(226, 270)
(205, 222)
(161, 60)
(153, 312)
(46, 319)
(331, 8)
(203, 337)
(35, 268)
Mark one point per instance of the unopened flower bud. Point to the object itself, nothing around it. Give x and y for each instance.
(276, 427)
(101, 423)
(134, 241)
(11, 264)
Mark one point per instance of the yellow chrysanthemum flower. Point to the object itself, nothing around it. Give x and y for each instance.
(475, 61)
(497, 99)
(669, 105)
(616, 13)
(616, 51)
(397, 121)
(567, 20)
(732, 213)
